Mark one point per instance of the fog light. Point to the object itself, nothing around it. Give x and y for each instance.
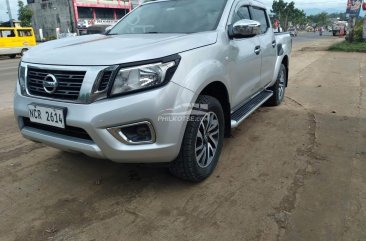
(138, 133)
(134, 134)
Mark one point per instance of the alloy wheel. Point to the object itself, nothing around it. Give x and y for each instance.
(282, 85)
(207, 139)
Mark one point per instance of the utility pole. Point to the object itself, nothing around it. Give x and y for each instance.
(9, 12)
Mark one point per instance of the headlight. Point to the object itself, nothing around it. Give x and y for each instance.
(142, 77)
(21, 78)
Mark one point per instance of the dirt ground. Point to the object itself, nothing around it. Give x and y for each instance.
(295, 172)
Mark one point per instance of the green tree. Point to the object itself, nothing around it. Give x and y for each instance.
(299, 17)
(25, 14)
(320, 19)
(341, 16)
(278, 8)
(287, 12)
(358, 31)
(323, 19)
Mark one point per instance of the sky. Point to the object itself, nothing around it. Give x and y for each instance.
(13, 7)
(340, 5)
(329, 6)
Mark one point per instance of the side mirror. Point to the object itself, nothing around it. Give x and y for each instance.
(107, 29)
(244, 29)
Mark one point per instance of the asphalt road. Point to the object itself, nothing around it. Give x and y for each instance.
(294, 172)
(8, 76)
(304, 37)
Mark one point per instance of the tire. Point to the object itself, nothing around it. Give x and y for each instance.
(279, 88)
(12, 56)
(192, 163)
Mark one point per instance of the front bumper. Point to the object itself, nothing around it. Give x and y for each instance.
(96, 117)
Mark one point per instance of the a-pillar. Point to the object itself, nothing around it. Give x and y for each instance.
(94, 14)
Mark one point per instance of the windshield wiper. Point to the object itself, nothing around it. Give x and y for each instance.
(151, 32)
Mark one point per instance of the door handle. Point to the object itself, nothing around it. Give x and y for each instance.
(257, 50)
(274, 43)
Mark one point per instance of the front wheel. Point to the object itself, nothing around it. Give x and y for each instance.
(278, 88)
(202, 141)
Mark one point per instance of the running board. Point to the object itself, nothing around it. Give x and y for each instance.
(248, 108)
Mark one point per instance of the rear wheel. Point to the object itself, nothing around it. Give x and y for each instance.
(12, 56)
(202, 142)
(278, 88)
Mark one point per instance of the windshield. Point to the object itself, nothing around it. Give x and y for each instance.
(175, 16)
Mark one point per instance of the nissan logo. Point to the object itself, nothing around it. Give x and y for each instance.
(50, 84)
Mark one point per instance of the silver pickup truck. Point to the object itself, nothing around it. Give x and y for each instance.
(165, 84)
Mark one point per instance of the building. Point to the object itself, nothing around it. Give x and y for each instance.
(51, 17)
(90, 12)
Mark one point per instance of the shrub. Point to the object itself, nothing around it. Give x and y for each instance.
(358, 31)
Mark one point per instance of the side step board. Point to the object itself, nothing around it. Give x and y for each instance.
(248, 108)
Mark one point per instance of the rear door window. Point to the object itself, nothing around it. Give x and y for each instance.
(24, 33)
(5, 33)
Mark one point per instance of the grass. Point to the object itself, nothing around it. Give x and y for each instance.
(349, 47)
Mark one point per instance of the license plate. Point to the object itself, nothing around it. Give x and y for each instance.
(51, 116)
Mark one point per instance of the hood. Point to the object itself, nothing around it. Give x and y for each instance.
(101, 49)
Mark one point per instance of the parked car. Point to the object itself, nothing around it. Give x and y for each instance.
(161, 86)
(16, 41)
(309, 29)
(293, 32)
(338, 26)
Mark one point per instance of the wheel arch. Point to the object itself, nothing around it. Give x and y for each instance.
(218, 90)
(285, 62)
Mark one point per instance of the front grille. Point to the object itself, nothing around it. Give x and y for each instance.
(68, 131)
(104, 81)
(69, 83)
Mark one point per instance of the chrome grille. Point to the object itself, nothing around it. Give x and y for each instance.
(69, 83)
